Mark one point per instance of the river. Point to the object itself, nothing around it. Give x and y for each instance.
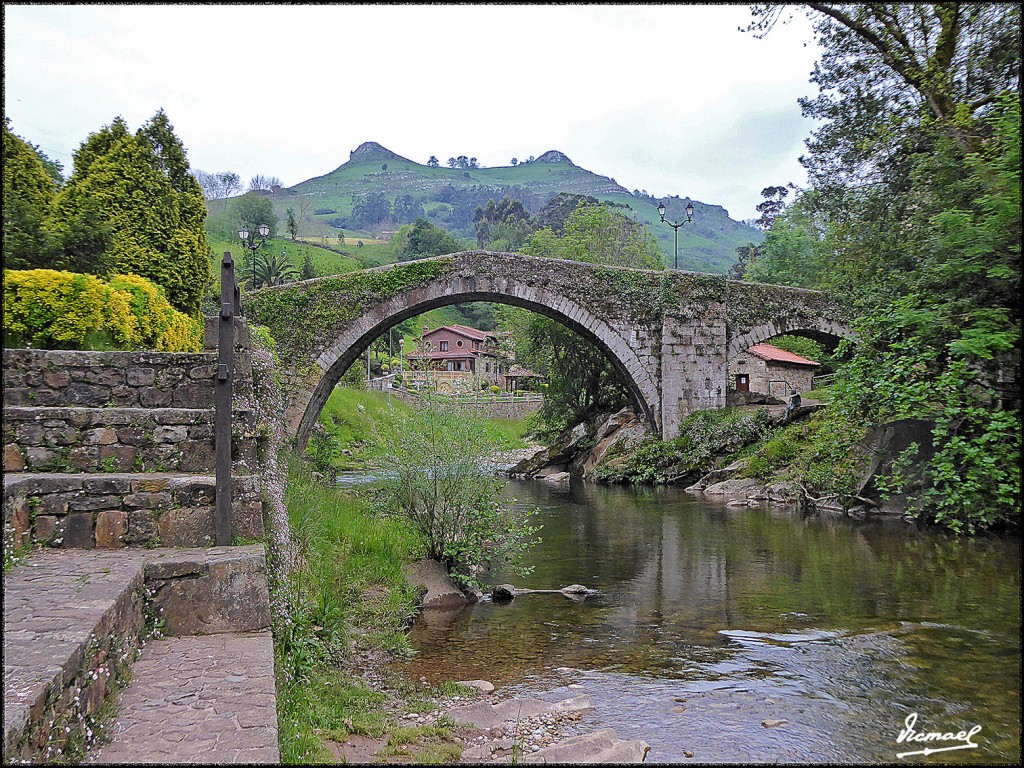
(750, 635)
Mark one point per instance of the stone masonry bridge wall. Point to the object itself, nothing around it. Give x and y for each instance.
(668, 333)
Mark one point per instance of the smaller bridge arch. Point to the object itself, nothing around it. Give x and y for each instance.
(825, 331)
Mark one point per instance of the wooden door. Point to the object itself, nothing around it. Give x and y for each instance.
(742, 382)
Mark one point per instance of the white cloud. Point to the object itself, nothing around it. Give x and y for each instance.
(668, 98)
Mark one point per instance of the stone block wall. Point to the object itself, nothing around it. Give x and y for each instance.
(35, 377)
(693, 366)
(53, 439)
(117, 510)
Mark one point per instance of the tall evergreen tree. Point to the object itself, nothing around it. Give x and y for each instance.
(138, 186)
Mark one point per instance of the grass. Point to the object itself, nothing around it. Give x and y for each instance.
(354, 416)
(349, 604)
(349, 595)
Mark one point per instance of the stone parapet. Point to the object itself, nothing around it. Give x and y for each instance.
(125, 509)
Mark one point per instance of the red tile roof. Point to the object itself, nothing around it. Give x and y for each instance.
(776, 355)
(464, 330)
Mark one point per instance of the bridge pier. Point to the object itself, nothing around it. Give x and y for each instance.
(693, 365)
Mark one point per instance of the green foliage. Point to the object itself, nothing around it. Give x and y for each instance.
(703, 436)
(914, 220)
(27, 196)
(252, 209)
(45, 308)
(139, 187)
(598, 235)
(423, 239)
(437, 478)
(582, 381)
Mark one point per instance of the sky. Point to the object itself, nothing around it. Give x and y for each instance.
(671, 99)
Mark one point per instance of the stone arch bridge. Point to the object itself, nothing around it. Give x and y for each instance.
(668, 333)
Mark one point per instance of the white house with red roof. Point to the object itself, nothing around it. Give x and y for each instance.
(772, 371)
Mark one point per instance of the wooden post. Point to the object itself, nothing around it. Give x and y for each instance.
(229, 303)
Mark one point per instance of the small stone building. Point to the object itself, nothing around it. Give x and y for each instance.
(771, 371)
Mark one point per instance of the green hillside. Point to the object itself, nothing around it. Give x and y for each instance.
(448, 196)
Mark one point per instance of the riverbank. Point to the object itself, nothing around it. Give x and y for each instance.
(340, 698)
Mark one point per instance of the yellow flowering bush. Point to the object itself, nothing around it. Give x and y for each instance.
(161, 327)
(46, 308)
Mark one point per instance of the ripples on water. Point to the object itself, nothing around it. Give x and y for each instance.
(711, 621)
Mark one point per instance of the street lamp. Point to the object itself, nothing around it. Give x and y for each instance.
(676, 225)
(252, 245)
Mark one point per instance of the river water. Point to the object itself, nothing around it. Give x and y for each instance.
(712, 625)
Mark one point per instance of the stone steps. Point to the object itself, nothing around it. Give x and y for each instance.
(114, 510)
(72, 624)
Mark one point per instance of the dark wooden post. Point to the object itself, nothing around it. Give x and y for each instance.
(229, 304)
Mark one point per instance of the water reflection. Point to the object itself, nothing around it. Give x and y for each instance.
(711, 621)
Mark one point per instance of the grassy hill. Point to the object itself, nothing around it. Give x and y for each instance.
(448, 197)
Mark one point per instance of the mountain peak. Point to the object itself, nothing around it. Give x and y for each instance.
(554, 156)
(371, 150)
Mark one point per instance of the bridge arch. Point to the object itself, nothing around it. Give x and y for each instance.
(353, 340)
(825, 331)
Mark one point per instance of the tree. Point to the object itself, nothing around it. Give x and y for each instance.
(308, 270)
(914, 220)
(432, 162)
(504, 226)
(437, 476)
(28, 196)
(370, 210)
(252, 209)
(140, 188)
(515, 162)
(272, 269)
(746, 255)
(219, 186)
(421, 240)
(260, 183)
(292, 224)
(407, 209)
(554, 213)
(772, 207)
(582, 381)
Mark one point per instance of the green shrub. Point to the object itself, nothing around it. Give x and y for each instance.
(50, 309)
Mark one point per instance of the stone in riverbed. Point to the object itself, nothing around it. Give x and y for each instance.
(503, 593)
(431, 579)
(603, 746)
(481, 685)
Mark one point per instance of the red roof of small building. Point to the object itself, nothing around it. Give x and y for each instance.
(776, 355)
(519, 371)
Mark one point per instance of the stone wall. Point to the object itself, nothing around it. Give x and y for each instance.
(482, 406)
(35, 377)
(54, 439)
(116, 510)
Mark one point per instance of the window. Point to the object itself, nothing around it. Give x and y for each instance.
(444, 346)
(458, 343)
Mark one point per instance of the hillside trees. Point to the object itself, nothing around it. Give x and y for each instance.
(914, 220)
(504, 226)
(421, 240)
(252, 209)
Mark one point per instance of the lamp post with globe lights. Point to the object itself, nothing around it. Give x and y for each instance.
(675, 226)
(249, 240)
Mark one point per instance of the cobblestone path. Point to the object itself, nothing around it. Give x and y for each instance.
(205, 699)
